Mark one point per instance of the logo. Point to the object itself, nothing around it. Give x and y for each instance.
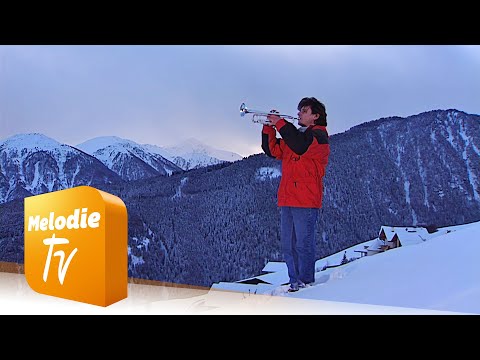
(76, 245)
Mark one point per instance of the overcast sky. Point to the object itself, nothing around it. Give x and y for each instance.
(163, 94)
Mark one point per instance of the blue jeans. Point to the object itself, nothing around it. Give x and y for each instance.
(297, 236)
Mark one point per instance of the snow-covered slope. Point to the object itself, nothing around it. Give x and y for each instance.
(440, 272)
(128, 159)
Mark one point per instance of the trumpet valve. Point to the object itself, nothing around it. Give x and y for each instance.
(261, 119)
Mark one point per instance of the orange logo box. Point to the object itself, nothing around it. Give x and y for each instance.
(76, 245)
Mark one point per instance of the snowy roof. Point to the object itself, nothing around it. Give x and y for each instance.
(375, 245)
(412, 235)
(408, 235)
(275, 266)
(389, 231)
(276, 278)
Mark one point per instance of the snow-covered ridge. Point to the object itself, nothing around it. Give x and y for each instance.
(191, 154)
(130, 160)
(193, 146)
(187, 155)
(93, 145)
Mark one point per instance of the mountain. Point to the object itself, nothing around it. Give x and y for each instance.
(128, 159)
(32, 164)
(192, 154)
(221, 222)
(418, 170)
(125, 158)
(415, 167)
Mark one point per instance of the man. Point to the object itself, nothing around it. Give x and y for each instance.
(304, 153)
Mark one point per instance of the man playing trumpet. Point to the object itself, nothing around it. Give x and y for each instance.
(304, 154)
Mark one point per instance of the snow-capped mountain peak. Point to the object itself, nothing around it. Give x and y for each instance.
(192, 145)
(130, 160)
(192, 153)
(101, 142)
(30, 141)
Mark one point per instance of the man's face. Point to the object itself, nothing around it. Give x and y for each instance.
(306, 118)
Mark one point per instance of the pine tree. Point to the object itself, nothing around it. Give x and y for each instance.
(344, 260)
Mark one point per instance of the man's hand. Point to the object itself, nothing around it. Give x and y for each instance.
(273, 118)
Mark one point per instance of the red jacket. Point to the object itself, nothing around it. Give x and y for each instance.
(304, 158)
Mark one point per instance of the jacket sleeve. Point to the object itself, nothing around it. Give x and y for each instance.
(296, 140)
(271, 145)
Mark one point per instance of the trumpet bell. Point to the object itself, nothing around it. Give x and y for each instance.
(243, 109)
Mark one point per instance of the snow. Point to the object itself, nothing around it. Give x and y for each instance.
(19, 147)
(18, 298)
(178, 193)
(154, 149)
(36, 178)
(264, 173)
(423, 176)
(437, 271)
(472, 177)
(412, 235)
(437, 276)
(275, 266)
(31, 141)
(136, 260)
(109, 154)
(101, 142)
(194, 146)
(195, 153)
(449, 131)
(107, 148)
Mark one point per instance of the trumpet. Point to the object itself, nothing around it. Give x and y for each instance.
(261, 116)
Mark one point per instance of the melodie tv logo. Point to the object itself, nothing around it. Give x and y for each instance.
(76, 245)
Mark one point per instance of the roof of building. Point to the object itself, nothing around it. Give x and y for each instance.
(275, 266)
(408, 235)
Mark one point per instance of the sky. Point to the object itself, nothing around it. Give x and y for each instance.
(438, 274)
(165, 94)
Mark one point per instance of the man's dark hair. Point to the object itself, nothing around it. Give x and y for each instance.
(317, 108)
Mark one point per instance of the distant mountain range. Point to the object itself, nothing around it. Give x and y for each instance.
(192, 154)
(32, 164)
(128, 159)
(221, 222)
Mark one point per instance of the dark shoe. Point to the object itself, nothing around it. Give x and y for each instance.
(293, 287)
